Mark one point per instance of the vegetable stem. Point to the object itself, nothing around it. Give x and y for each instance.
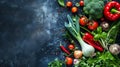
(85, 29)
(115, 11)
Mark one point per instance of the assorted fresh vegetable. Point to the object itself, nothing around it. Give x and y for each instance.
(88, 38)
(91, 36)
(74, 29)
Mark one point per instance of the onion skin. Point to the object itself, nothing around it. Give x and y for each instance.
(114, 49)
(77, 54)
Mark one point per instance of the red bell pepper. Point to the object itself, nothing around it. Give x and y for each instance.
(112, 11)
(88, 38)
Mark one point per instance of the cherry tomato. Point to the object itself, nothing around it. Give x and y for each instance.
(69, 61)
(71, 47)
(74, 9)
(81, 3)
(83, 21)
(69, 4)
(92, 25)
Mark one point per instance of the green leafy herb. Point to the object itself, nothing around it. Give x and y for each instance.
(105, 59)
(56, 63)
(61, 3)
(112, 33)
(100, 36)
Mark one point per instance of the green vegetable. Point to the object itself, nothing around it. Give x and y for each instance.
(56, 63)
(106, 38)
(74, 29)
(113, 32)
(94, 8)
(105, 59)
(61, 3)
(100, 36)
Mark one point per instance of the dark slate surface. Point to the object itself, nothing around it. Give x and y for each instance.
(30, 32)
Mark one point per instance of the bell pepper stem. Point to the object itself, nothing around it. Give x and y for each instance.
(115, 11)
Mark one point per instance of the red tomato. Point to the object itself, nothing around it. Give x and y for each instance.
(71, 47)
(69, 61)
(81, 3)
(92, 25)
(83, 21)
(69, 4)
(74, 9)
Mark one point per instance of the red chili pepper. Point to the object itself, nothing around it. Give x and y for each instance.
(64, 49)
(112, 11)
(88, 38)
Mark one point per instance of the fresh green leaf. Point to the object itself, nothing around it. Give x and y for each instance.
(61, 3)
(104, 35)
(99, 29)
(55, 63)
(112, 33)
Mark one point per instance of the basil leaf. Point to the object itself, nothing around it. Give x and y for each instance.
(99, 29)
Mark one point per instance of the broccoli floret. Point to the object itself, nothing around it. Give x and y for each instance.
(94, 8)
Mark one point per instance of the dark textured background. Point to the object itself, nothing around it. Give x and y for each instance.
(30, 32)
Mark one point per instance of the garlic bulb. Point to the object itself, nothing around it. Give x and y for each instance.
(114, 49)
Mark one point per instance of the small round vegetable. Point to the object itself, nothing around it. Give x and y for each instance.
(69, 61)
(77, 54)
(114, 49)
(104, 25)
(69, 4)
(83, 21)
(81, 3)
(76, 61)
(71, 47)
(74, 9)
(92, 25)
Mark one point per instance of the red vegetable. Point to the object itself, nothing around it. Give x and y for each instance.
(74, 9)
(71, 47)
(69, 61)
(81, 3)
(88, 38)
(92, 25)
(64, 49)
(83, 21)
(69, 4)
(112, 11)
